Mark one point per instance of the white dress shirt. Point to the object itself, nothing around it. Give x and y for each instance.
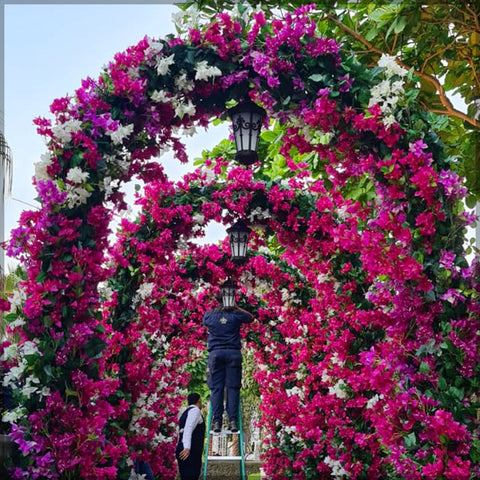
(194, 417)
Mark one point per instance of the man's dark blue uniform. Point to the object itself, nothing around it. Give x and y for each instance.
(225, 361)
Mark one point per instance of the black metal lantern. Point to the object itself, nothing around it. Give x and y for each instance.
(238, 235)
(247, 119)
(229, 290)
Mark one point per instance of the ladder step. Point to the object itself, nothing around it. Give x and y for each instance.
(225, 432)
(224, 457)
(223, 447)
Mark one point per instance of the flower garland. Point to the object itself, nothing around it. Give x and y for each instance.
(366, 306)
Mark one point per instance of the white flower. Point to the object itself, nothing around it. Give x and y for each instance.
(391, 66)
(477, 106)
(45, 392)
(18, 322)
(76, 196)
(183, 83)
(18, 298)
(187, 19)
(121, 164)
(77, 176)
(163, 64)
(295, 391)
(397, 87)
(342, 212)
(13, 374)
(204, 71)
(144, 291)
(380, 91)
(259, 214)
(387, 93)
(247, 12)
(209, 175)
(105, 291)
(154, 46)
(338, 389)
(27, 390)
(41, 167)
(63, 131)
(29, 348)
(159, 96)
(120, 133)
(109, 185)
(389, 120)
(10, 353)
(372, 401)
(290, 429)
(183, 109)
(338, 472)
(11, 416)
(199, 218)
(190, 131)
(335, 360)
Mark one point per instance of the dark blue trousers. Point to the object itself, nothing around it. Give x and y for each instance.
(225, 371)
(144, 467)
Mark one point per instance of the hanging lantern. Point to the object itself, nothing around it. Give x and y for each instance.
(247, 119)
(238, 235)
(229, 289)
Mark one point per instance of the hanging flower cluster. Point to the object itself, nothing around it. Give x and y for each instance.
(368, 313)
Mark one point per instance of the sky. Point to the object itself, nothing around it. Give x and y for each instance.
(48, 50)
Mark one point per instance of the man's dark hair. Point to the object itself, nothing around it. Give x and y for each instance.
(193, 398)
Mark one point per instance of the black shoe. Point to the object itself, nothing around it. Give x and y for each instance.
(233, 426)
(217, 426)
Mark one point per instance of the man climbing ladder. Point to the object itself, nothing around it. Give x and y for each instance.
(225, 362)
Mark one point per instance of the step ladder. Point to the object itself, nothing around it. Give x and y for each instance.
(224, 434)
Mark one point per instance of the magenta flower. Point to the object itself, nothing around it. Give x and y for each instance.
(367, 310)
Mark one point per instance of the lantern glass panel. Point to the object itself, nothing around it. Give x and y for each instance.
(247, 119)
(238, 236)
(229, 290)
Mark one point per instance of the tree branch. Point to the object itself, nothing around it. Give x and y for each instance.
(474, 70)
(474, 16)
(450, 110)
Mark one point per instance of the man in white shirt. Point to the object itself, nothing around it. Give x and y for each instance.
(191, 437)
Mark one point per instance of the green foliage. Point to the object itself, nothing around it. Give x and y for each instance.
(197, 370)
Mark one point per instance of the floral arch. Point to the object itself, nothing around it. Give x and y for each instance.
(368, 312)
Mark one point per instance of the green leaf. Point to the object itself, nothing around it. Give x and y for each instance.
(41, 277)
(442, 383)
(458, 393)
(48, 371)
(424, 368)
(94, 347)
(318, 77)
(100, 328)
(471, 201)
(400, 23)
(10, 317)
(410, 440)
(269, 136)
(371, 34)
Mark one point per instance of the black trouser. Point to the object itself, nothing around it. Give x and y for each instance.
(190, 468)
